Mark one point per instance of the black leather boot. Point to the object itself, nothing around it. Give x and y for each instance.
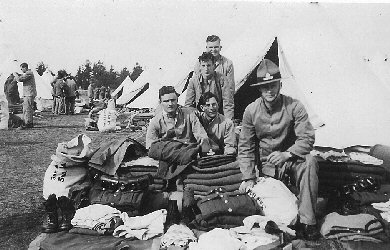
(50, 222)
(67, 211)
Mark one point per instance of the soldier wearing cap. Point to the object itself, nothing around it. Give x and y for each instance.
(281, 127)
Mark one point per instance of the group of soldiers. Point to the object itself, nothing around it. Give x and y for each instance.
(276, 135)
(64, 92)
(96, 93)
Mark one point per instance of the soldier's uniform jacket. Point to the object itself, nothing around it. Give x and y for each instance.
(218, 85)
(284, 128)
(223, 66)
(185, 126)
(220, 131)
(29, 87)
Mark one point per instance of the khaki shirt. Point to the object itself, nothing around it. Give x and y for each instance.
(223, 66)
(220, 131)
(284, 128)
(218, 85)
(185, 126)
(71, 87)
(29, 87)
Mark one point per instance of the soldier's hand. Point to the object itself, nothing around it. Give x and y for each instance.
(278, 157)
(246, 184)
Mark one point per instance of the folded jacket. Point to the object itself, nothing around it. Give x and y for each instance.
(211, 176)
(205, 188)
(352, 167)
(202, 194)
(223, 204)
(174, 151)
(228, 180)
(211, 169)
(336, 225)
(111, 154)
(220, 221)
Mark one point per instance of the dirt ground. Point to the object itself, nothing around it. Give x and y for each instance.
(24, 157)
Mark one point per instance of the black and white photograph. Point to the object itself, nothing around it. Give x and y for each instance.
(194, 125)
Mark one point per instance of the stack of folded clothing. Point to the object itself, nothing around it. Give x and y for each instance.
(95, 219)
(212, 172)
(142, 166)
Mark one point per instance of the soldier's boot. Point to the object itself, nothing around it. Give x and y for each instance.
(67, 211)
(50, 222)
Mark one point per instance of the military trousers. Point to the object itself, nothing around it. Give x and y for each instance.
(28, 110)
(303, 175)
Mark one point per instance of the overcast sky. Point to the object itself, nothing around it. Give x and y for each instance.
(63, 34)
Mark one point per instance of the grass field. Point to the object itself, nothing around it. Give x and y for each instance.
(24, 157)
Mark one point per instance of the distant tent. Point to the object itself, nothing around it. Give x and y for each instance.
(43, 86)
(346, 101)
(131, 91)
(125, 85)
(148, 99)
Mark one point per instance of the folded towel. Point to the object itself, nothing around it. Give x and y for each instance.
(204, 188)
(216, 169)
(228, 180)
(211, 176)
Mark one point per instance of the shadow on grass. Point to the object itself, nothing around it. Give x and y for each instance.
(20, 143)
(18, 231)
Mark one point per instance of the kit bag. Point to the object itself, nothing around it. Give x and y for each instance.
(124, 193)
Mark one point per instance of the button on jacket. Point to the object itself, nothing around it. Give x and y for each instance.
(220, 131)
(285, 128)
(218, 85)
(29, 87)
(185, 126)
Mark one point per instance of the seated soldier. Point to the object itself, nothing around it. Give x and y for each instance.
(219, 129)
(175, 121)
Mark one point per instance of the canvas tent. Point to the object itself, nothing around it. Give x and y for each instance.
(125, 86)
(130, 91)
(43, 86)
(149, 98)
(345, 100)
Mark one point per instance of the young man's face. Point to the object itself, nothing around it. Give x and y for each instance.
(270, 91)
(211, 107)
(214, 48)
(169, 102)
(23, 69)
(206, 68)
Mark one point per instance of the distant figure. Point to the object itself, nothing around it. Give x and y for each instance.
(96, 93)
(90, 93)
(102, 94)
(71, 95)
(11, 90)
(29, 93)
(108, 93)
(59, 92)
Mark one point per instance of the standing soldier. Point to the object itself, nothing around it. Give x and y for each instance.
(29, 94)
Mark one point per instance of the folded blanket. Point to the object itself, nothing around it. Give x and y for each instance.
(211, 176)
(228, 180)
(216, 169)
(204, 188)
(216, 160)
(141, 169)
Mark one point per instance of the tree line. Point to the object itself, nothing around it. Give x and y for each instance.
(102, 75)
